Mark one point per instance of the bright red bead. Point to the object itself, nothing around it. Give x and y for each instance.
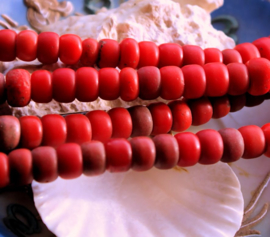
(167, 151)
(89, 52)
(70, 160)
(118, 154)
(48, 47)
(3, 96)
(217, 79)
(101, 125)
(87, 84)
(121, 123)
(181, 114)
(221, 106)
(45, 164)
(213, 55)
(54, 130)
(266, 132)
(108, 53)
(149, 54)
(70, 48)
(193, 54)
(41, 86)
(211, 146)
(20, 166)
(63, 85)
(254, 141)
(18, 87)
(7, 45)
(239, 80)
(143, 153)
(248, 51)
(172, 82)
(129, 84)
(233, 144)
(129, 53)
(109, 83)
(170, 54)
(78, 128)
(162, 118)
(259, 76)
(189, 149)
(94, 158)
(149, 83)
(195, 81)
(231, 56)
(263, 45)
(31, 132)
(4, 170)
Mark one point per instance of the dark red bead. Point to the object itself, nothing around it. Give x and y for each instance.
(7, 45)
(89, 52)
(4, 170)
(3, 96)
(237, 102)
(221, 106)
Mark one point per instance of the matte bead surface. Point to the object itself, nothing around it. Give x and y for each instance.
(149, 54)
(213, 55)
(263, 45)
(7, 45)
(248, 51)
(108, 53)
(231, 56)
(89, 52)
(221, 106)
(170, 54)
(129, 53)
(193, 54)
(4, 170)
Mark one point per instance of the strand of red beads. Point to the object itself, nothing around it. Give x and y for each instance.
(169, 83)
(164, 151)
(47, 47)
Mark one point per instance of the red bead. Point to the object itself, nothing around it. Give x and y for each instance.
(170, 54)
(189, 148)
(162, 118)
(231, 56)
(109, 84)
(54, 130)
(193, 54)
(48, 47)
(143, 153)
(78, 128)
(149, 83)
(248, 51)
(4, 170)
(89, 52)
(20, 165)
(211, 146)
(129, 53)
(233, 144)
(101, 125)
(195, 81)
(31, 132)
(119, 155)
(239, 80)
(172, 83)
(221, 106)
(94, 158)
(44, 164)
(149, 54)
(63, 84)
(167, 151)
(263, 45)
(70, 48)
(108, 53)
(181, 114)
(142, 122)
(129, 84)
(213, 55)
(87, 84)
(237, 102)
(3, 96)
(217, 79)
(10, 132)
(41, 86)
(252, 101)
(266, 132)
(201, 110)
(259, 76)
(121, 123)
(254, 141)
(18, 87)
(26, 45)
(70, 160)
(7, 45)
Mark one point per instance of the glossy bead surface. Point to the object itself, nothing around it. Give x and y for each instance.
(129, 53)
(193, 54)
(248, 51)
(170, 54)
(231, 56)
(263, 45)
(7, 45)
(118, 154)
(149, 54)
(213, 55)
(44, 164)
(4, 170)
(221, 106)
(167, 151)
(108, 53)
(89, 52)
(266, 132)
(143, 153)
